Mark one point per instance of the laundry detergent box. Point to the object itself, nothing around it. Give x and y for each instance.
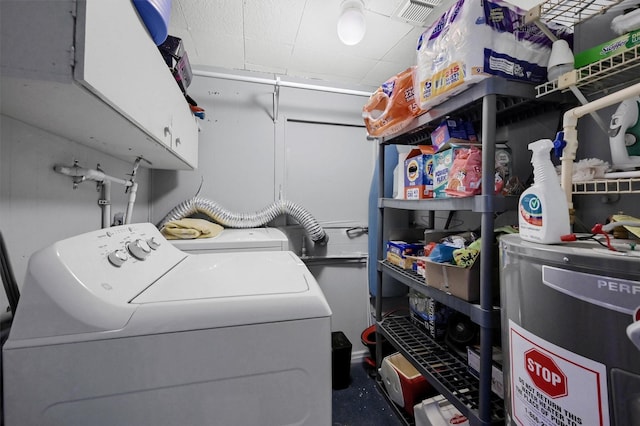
(457, 170)
(418, 173)
(443, 161)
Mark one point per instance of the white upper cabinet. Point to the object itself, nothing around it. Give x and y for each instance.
(87, 70)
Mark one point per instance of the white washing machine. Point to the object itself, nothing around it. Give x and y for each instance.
(234, 240)
(118, 327)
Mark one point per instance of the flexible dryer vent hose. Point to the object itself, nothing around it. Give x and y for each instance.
(247, 220)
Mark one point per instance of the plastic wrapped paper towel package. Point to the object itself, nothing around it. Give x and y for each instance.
(474, 40)
(392, 106)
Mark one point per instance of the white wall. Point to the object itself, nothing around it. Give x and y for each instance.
(39, 206)
(314, 154)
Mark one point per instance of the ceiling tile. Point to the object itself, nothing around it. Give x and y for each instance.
(382, 35)
(348, 67)
(381, 72)
(274, 20)
(219, 51)
(213, 16)
(383, 7)
(268, 53)
(404, 52)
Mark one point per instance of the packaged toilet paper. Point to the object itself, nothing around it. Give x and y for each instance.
(476, 39)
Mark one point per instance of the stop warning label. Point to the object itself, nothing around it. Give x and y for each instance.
(545, 373)
(552, 386)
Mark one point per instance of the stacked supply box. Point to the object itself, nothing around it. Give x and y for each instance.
(452, 131)
(443, 162)
(403, 254)
(457, 169)
(448, 138)
(418, 173)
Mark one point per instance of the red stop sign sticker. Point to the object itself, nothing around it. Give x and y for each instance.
(546, 375)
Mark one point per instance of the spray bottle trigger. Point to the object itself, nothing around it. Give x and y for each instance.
(558, 144)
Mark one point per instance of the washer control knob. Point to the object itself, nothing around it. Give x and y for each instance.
(153, 243)
(139, 249)
(118, 257)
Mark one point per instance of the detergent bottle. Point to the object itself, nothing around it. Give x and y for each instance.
(543, 209)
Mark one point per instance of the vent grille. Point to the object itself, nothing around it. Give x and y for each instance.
(415, 12)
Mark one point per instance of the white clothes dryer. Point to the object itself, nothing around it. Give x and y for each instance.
(235, 240)
(117, 327)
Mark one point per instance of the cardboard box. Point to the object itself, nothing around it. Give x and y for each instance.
(456, 280)
(497, 378)
(403, 254)
(405, 385)
(442, 162)
(418, 173)
(449, 130)
(605, 50)
(453, 131)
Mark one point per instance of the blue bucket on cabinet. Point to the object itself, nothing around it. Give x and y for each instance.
(155, 14)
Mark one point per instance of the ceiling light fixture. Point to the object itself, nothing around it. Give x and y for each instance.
(351, 23)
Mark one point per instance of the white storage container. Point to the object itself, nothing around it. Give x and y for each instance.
(438, 411)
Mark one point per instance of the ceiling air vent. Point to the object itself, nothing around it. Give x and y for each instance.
(414, 12)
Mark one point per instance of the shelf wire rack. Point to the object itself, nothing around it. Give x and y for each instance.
(448, 372)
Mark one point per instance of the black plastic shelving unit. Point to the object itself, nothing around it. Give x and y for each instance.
(444, 370)
(491, 103)
(417, 282)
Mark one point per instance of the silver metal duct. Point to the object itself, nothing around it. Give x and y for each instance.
(248, 220)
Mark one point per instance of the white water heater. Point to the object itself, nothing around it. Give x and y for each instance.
(566, 310)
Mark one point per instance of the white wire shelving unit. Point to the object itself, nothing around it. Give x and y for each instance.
(608, 186)
(569, 12)
(603, 76)
(598, 78)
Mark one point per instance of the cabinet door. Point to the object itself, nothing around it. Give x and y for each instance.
(119, 63)
(184, 131)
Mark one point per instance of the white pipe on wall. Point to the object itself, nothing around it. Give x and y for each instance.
(132, 199)
(106, 206)
(80, 174)
(278, 82)
(89, 174)
(569, 124)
